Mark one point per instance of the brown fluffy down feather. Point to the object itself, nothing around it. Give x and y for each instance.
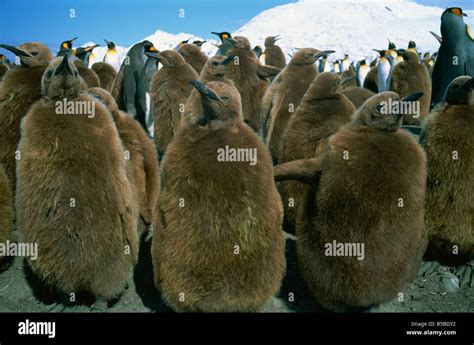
(194, 56)
(106, 74)
(357, 95)
(88, 75)
(450, 186)
(170, 89)
(250, 86)
(274, 56)
(6, 209)
(408, 77)
(142, 165)
(357, 201)
(21, 87)
(316, 118)
(371, 81)
(287, 89)
(193, 246)
(73, 156)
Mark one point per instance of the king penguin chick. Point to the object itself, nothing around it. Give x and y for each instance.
(21, 87)
(449, 144)
(250, 79)
(111, 56)
(140, 153)
(193, 55)
(321, 112)
(389, 239)
(73, 197)
(274, 56)
(106, 74)
(284, 95)
(195, 247)
(6, 211)
(170, 89)
(408, 77)
(88, 75)
(214, 70)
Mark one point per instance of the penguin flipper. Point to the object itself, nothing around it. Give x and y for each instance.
(266, 71)
(307, 171)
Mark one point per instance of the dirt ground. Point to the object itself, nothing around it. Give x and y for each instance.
(438, 291)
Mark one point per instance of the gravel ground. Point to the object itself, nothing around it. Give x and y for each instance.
(437, 291)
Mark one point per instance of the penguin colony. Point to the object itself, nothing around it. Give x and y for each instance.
(230, 131)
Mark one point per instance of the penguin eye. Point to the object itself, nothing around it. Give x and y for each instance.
(34, 53)
(380, 108)
(225, 98)
(215, 64)
(49, 74)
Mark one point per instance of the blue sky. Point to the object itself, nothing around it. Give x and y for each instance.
(128, 21)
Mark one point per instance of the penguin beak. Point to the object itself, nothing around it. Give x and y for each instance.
(63, 67)
(227, 60)
(413, 97)
(15, 50)
(346, 79)
(323, 53)
(276, 38)
(381, 52)
(75, 38)
(89, 49)
(204, 90)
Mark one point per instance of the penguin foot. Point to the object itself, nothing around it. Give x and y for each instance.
(428, 267)
(465, 275)
(100, 306)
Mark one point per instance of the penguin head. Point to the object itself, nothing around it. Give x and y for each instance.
(457, 11)
(324, 85)
(426, 56)
(258, 51)
(270, 40)
(110, 45)
(222, 35)
(188, 50)
(217, 65)
(149, 47)
(67, 44)
(104, 97)
(3, 58)
(452, 23)
(168, 58)
(411, 44)
(220, 101)
(242, 43)
(308, 56)
(61, 79)
(411, 56)
(460, 91)
(378, 111)
(198, 43)
(31, 54)
(84, 53)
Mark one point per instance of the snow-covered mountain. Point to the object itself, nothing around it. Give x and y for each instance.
(346, 26)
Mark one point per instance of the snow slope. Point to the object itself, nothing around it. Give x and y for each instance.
(346, 26)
